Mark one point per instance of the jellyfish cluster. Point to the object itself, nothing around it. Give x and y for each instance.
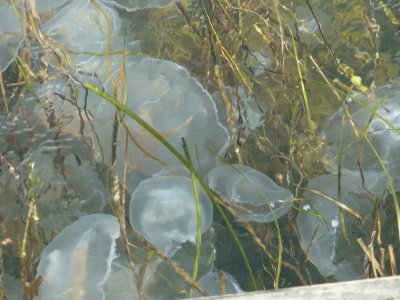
(76, 138)
(362, 141)
(81, 146)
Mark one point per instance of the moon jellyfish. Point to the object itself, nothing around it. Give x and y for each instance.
(164, 283)
(378, 115)
(321, 230)
(176, 105)
(121, 285)
(87, 39)
(50, 6)
(211, 283)
(163, 210)
(132, 5)
(307, 25)
(12, 33)
(77, 262)
(67, 186)
(253, 195)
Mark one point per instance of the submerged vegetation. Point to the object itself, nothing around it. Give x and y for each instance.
(306, 92)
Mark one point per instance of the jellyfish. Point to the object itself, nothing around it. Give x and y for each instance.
(121, 285)
(176, 105)
(370, 130)
(50, 6)
(163, 210)
(85, 41)
(12, 33)
(67, 185)
(77, 262)
(308, 25)
(132, 5)
(166, 97)
(211, 282)
(321, 229)
(162, 281)
(253, 195)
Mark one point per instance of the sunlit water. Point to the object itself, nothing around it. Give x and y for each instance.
(57, 142)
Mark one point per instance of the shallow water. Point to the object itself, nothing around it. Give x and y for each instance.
(60, 141)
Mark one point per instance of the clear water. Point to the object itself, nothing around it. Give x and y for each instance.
(54, 150)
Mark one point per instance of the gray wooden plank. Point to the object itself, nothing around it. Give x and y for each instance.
(381, 288)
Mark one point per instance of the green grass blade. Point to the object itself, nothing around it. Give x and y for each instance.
(303, 88)
(339, 190)
(198, 214)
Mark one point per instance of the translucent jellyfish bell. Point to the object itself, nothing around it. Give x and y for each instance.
(12, 33)
(176, 105)
(87, 37)
(163, 210)
(49, 6)
(68, 187)
(132, 5)
(382, 133)
(308, 26)
(321, 232)
(255, 196)
(211, 283)
(77, 262)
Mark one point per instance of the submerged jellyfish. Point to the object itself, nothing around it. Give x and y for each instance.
(86, 41)
(77, 262)
(163, 210)
(211, 282)
(121, 285)
(12, 33)
(166, 97)
(50, 6)
(307, 25)
(67, 186)
(253, 195)
(176, 105)
(321, 231)
(377, 115)
(165, 283)
(132, 5)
